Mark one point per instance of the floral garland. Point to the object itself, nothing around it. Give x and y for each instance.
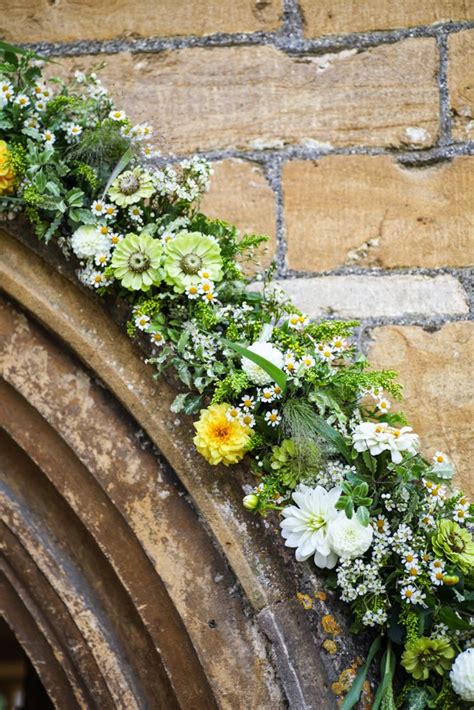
(293, 397)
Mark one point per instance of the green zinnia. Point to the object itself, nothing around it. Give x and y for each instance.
(130, 187)
(424, 655)
(136, 262)
(455, 544)
(295, 462)
(187, 256)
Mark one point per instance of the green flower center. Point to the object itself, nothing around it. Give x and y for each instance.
(316, 522)
(129, 184)
(457, 543)
(138, 262)
(191, 263)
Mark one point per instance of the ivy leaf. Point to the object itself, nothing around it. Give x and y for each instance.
(272, 370)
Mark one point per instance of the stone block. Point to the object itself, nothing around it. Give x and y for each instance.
(437, 372)
(371, 211)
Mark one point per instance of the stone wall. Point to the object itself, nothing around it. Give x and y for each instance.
(344, 131)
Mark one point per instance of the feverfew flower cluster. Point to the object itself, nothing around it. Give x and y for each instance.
(329, 451)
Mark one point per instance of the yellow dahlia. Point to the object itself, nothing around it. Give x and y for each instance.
(221, 439)
(7, 176)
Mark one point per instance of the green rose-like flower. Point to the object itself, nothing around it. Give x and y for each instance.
(294, 462)
(187, 255)
(130, 187)
(455, 544)
(424, 655)
(136, 262)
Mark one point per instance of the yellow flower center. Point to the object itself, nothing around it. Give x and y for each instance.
(221, 431)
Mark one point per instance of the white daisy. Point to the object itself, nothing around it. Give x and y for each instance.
(98, 207)
(383, 405)
(192, 291)
(246, 418)
(48, 137)
(233, 413)
(22, 100)
(247, 402)
(273, 418)
(116, 115)
(142, 322)
(157, 338)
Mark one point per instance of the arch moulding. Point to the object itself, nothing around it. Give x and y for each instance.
(129, 571)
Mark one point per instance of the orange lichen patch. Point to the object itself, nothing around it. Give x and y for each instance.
(330, 625)
(322, 596)
(367, 697)
(305, 600)
(330, 646)
(343, 683)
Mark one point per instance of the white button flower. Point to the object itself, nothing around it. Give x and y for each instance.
(348, 537)
(253, 371)
(306, 524)
(462, 675)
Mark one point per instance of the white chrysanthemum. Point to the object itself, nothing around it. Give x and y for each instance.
(462, 675)
(253, 371)
(348, 537)
(87, 241)
(370, 436)
(306, 524)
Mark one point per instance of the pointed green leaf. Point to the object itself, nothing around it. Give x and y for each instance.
(272, 370)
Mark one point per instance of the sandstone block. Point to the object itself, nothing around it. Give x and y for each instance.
(371, 211)
(361, 296)
(461, 84)
(259, 97)
(436, 370)
(69, 20)
(332, 17)
(241, 195)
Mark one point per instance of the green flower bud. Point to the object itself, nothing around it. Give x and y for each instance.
(251, 501)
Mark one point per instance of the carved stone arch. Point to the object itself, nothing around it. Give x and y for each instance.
(132, 579)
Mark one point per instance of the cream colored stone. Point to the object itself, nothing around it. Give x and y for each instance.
(69, 20)
(360, 296)
(328, 17)
(461, 84)
(243, 97)
(371, 211)
(437, 372)
(241, 195)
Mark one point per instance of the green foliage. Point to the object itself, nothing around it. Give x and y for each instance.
(18, 160)
(295, 461)
(100, 147)
(329, 329)
(205, 315)
(87, 174)
(355, 378)
(230, 387)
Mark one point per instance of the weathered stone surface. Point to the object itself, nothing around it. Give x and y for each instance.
(53, 410)
(77, 318)
(328, 17)
(437, 372)
(257, 97)
(288, 630)
(69, 20)
(371, 211)
(241, 195)
(461, 84)
(357, 296)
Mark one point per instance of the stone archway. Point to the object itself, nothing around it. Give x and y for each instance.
(132, 578)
